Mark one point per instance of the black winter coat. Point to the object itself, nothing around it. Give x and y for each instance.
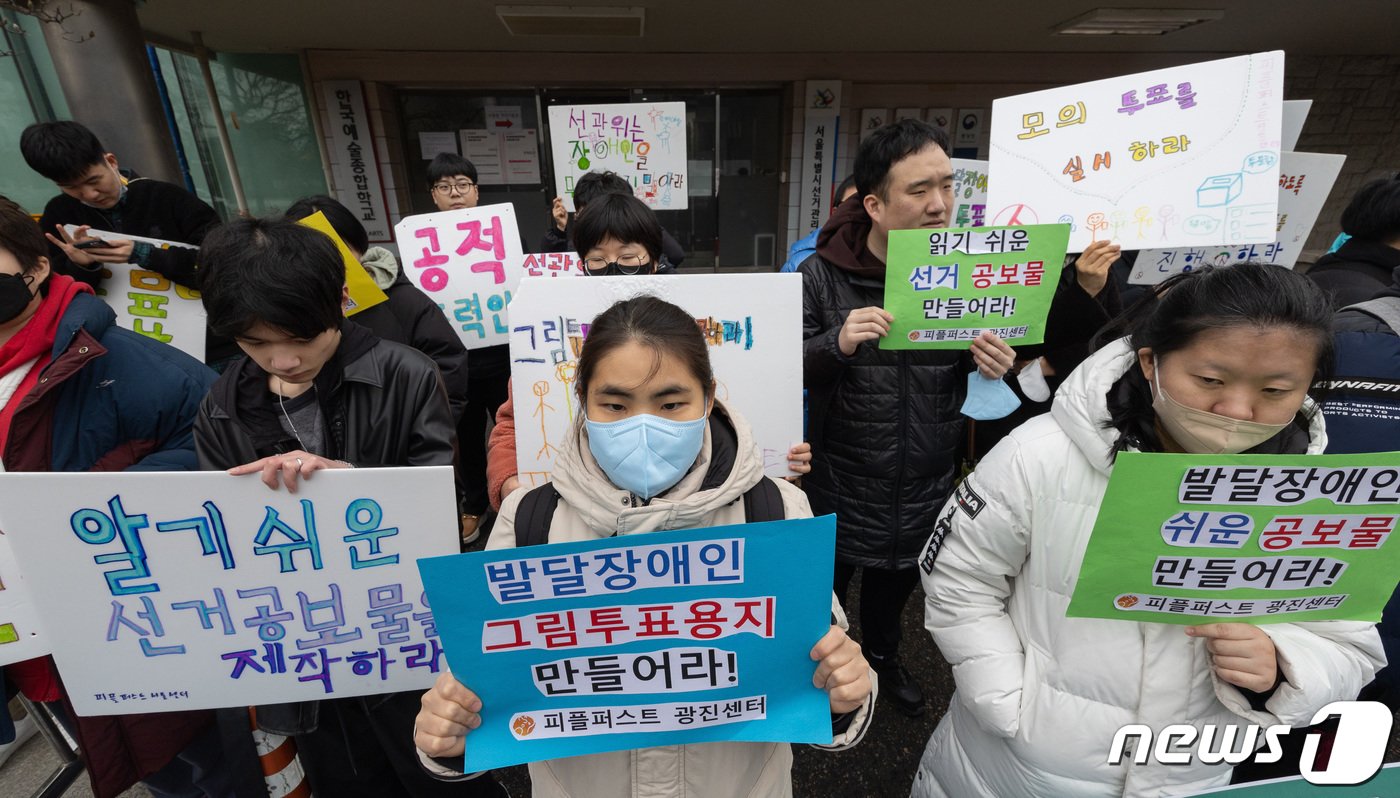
(885, 427)
(1356, 272)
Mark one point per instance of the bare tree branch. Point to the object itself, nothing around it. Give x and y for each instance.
(47, 12)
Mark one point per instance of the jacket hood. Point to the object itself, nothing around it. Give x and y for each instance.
(730, 463)
(1081, 406)
(842, 241)
(382, 266)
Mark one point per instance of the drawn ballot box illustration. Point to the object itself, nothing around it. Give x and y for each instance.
(1219, 190)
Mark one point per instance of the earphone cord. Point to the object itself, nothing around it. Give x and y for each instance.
(282, 404)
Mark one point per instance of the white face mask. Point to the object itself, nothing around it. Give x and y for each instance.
(1200, 432)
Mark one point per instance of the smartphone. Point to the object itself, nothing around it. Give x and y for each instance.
(92, 243)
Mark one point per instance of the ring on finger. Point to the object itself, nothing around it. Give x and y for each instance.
(298, 462)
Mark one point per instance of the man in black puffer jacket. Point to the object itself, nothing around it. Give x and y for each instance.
(885, 426)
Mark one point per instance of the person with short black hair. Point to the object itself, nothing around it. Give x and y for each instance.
(1361, 267)
(588, 188)
(99, 195)
(315, 391)
(453, 182)
(80, 394)
(885, 426)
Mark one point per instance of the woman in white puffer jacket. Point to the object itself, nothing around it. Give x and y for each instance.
(1222, 364)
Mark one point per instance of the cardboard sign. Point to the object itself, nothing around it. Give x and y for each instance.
(752, 322)
(167, 591)
(21, 635)
(969, 192)
(1176, 157)
(945, 287)
(1305, 180)
(1189, 539)
(364, 292)
(461, 259)
(643, 142)
(665, 638)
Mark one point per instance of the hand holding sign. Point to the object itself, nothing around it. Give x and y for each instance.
(863, 324)
(1240, 654)
(992, 356)
(1091, 268)
(285, 468)
(842, 671)
(450, 710)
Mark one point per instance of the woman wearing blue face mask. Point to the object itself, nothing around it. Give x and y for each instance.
(655, 450)
(1221, 365)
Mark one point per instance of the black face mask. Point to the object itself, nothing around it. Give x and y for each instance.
(15, 295)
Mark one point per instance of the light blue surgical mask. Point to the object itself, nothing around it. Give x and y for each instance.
(646, 454)
(988, 399)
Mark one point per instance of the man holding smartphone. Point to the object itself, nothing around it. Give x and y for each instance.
(99, 195)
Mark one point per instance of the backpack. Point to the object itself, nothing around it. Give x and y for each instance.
(535, 513)
(1362, 405)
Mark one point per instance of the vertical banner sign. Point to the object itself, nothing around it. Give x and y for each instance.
(21, 637)
(148, 303)
(1175, 157)
(633, 641)
(1188, 539)
(1305, 180)
(751, 322)
(819, 147)
(969, 192)
(354, 163)
(642, 142)
(464, 260)
(945, 287)
(364, 292)
(199, 590)
(872, 119)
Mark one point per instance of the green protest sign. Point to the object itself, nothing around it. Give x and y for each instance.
(1188, 539)
(944, 287)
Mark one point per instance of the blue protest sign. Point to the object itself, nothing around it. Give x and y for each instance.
(641, 640)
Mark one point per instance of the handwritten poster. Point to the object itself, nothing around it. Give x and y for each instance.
(148, 303)
(1188, 539)
(460, 258)
(354, 164)
(945, 287)
(198, 590)
(364, 292)
(969, 192)
(21, 636)
(752, 322)
(642, 142)
(1185, 156)
(1304, 182)
(663, 638)
(551, 264)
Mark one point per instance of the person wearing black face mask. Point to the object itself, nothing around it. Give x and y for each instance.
(78, 393)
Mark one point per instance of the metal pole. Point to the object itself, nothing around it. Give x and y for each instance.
(316, 125)
(226, 144)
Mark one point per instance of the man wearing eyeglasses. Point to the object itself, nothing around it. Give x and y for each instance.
(452, 183)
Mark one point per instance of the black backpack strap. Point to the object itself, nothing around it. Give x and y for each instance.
(764, 502)
(534, 515)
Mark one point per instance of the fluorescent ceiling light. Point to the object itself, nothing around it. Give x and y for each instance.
(573, 20)
(1135, 21)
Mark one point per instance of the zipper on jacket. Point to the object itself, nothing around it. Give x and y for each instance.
(901, 435)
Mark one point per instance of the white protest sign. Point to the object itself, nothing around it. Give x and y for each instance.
(752, 322)
(460, 259)
(1295, 113)
(199, 590)
(969, 193)
(148, 303)
(1183, 156)
(551, 264)
(642, 142)
(1305, 180)
(21, 636)
(354, 163)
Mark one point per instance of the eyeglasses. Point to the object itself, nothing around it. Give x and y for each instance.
(627, 264)
(461, 187)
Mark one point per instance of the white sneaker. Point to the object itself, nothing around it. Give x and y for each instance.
(24, 729)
